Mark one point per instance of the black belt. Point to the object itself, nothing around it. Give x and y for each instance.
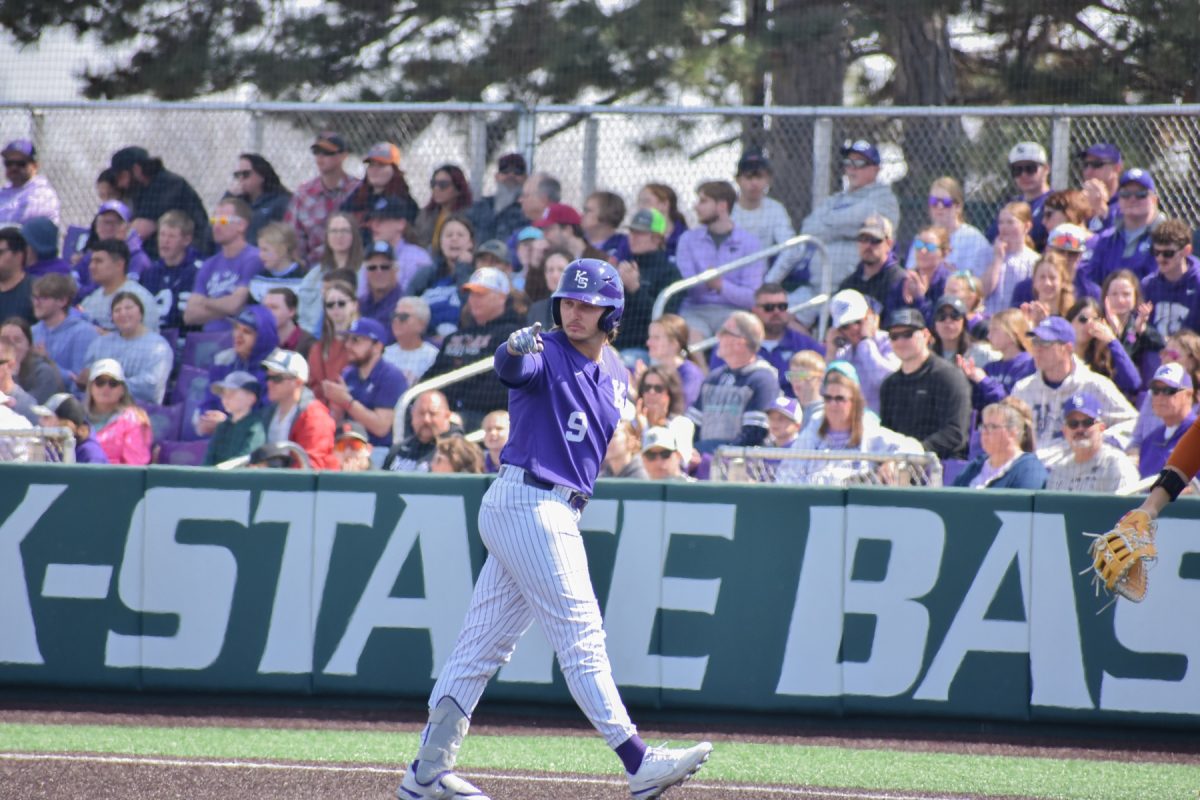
(577, 500)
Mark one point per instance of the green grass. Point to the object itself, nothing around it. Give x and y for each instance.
(743, 763)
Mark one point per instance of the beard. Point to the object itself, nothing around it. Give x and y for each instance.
(505, 196)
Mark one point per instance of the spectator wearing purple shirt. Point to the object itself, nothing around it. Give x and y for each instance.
(779, 342)
(1008, 334)
(1070, 241)
(1174, 289)
(854, 336)
(369, 386)
(925, 280)
(1127, 244)
(667, 346)
(27, 194)
(717, 241)
(603, 213)
(1128, 315)
(112, 223)
(41, 237)
(378, 302)
(223, 283)
(64, 411)
(1101, 165)
(1171, 400)
(734, 398)
(255, 336)
(172, 275)
(390, 220)
(1030, 169)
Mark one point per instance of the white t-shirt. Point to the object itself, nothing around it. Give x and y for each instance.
(413, 363)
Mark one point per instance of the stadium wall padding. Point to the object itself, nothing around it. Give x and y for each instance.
(953, 603)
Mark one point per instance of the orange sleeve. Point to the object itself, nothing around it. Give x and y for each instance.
(1186, 455)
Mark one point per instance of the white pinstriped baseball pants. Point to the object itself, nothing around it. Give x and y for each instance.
(536, 569)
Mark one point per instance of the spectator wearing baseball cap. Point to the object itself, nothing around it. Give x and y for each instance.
(928, 398)
(494, 253)
(499, 215)
(784, 420)
(661, 457)
(254, 336)
(64, 411)
(378, 302)
(1101, 165)
(27, 194)
(754, 211)
(112, 223)
(222, 286)
(384, 180)
(369, 386)
(837, 219)
(563, 228)
(717, 241)
(121, 428)
(242, 430)
(1174, 288)
(449, 195)
(153, 190)
(41, 240)
(1172, 401)
(317, 198)
(390, 219)
(878, 274)
(352, 448)
(292, 413)
(854, 337)
(487, 321)
(644, 275)
(1029, 167)
(1088, 463)
(1126, 245)
(603, 213)
(1060, 374)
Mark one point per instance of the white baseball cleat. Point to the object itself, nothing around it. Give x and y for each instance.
(663, 768)
(444, 786)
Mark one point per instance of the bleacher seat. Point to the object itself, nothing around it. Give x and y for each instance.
(199, 347)
(191, 383)
(182, 454)
(164, 420)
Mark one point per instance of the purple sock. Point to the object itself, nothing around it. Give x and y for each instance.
(631, 751)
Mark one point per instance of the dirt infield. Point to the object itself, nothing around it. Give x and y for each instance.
(100, 776)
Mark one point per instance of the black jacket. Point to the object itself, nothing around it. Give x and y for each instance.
(469, 344)
(932, 405)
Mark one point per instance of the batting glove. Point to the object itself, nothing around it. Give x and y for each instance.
(526, 341)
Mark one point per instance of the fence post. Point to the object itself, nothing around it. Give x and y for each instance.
(255, 131)
(591, 153)
(37, 128)
(477, 150)
(1060, 153)
(822, 158)
(527, 134)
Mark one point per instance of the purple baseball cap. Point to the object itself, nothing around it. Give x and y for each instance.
(863, 148)
(788, 406)
(1173, 375)
(1054, 329)
(21, 146)
(1104, 151)
(1139, 176)
(1084, 403)
(368, 329)
(116, 207)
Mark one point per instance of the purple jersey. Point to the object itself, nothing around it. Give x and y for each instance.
(1176, 304)
(220, 276)
(1157, 446)
(563, 409)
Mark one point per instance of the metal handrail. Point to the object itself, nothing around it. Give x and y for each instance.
(660, 303)
(400, 421)
(50, 432)
(812, 302)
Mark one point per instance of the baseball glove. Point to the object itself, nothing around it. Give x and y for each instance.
(1121, 557)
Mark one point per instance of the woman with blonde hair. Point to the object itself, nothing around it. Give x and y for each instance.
(925, 279)
(846, 425)
(328, 357)
(1008, 334)
(1008, 460)
(667, 344)
(1013, 257)
(455, 454)
(1053, 289)
(120, 428)
(968, 249)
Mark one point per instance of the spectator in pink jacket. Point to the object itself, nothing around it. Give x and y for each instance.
(121, 428)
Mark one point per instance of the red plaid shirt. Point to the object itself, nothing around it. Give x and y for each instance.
(308, 209)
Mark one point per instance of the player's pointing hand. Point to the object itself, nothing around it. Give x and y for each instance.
(525, 341)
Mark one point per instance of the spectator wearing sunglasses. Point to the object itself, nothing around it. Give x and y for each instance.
(780, 342)
(661, 457)
(878, 272)
(319, 197)
(1067, 242)
(854, 337)
(1007, 460)
(383, 291)
(968, 249)
(1088, 463)
(925, 279)
(1030, 169)
(27, 194)
(449, 195)
(256, 182)
(328, 357)
(409, 352)
(1172, 395)
(384, 181)
(1097, 346)
(1127, 244)
(223, 284)
(1174, 289)
(121, 428)
(837, 220)
(1101, 166)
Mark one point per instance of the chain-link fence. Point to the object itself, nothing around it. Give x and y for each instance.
(619, 149)
(824, 467)
(38, 445)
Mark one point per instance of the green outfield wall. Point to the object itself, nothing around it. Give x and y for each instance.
(955, 603)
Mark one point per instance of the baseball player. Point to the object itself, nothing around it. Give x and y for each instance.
(567, 391)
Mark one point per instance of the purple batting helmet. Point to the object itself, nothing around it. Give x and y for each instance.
(592, 281)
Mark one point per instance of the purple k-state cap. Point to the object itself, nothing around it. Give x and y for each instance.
(368, 329)
(1084, 403)
(1054, 329)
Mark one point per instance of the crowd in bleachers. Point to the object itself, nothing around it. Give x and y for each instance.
(1057, 348)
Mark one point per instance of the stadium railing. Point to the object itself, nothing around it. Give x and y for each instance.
(829, 467)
